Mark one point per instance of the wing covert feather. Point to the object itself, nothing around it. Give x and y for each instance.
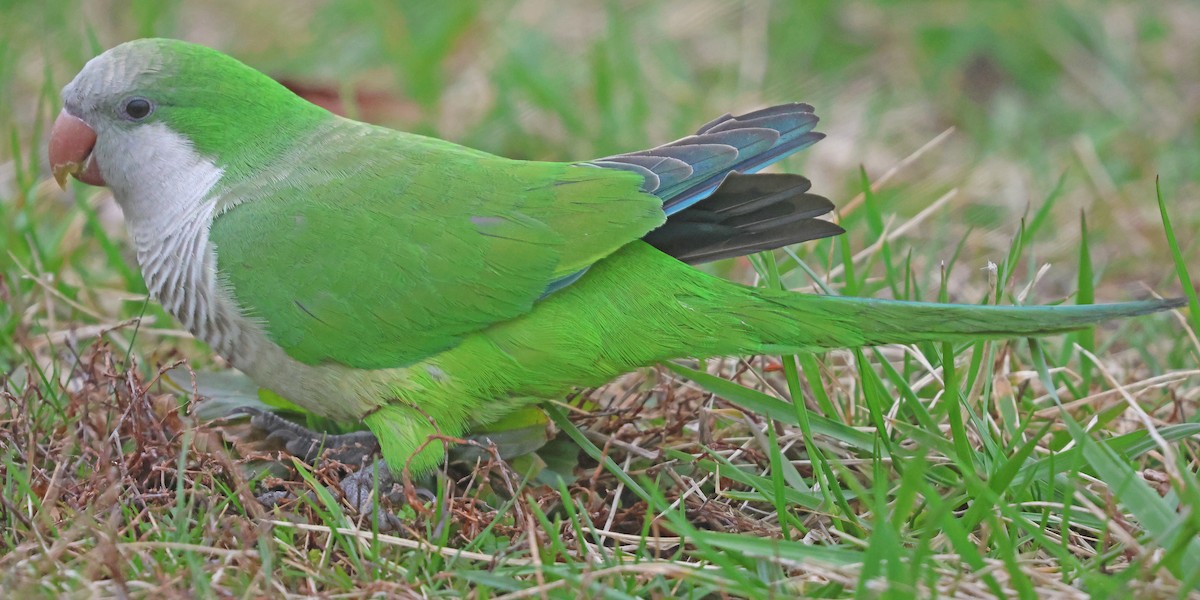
(387, 257)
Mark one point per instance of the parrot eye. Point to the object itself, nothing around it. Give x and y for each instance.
(136, 109)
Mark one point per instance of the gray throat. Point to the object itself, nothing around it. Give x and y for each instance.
(180, 269)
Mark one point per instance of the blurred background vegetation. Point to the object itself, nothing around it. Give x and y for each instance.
(1103, 92)
(1083, 102)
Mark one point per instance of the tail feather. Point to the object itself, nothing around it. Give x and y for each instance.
(642, 307)
(826, 322)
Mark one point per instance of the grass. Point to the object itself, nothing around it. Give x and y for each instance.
(968, 145)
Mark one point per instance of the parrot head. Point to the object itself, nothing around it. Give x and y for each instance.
(158, 118)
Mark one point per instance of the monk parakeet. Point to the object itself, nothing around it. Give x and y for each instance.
(420, 287)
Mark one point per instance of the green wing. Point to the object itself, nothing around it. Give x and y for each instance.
(378, 259)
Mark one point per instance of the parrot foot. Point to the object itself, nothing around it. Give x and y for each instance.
(358, 489)
(350, 448)
(275, 498)
(355, 448)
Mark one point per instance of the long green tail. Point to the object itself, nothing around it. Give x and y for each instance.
(826, 322)
(639, 307)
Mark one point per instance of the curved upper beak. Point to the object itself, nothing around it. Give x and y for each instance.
(71, 143)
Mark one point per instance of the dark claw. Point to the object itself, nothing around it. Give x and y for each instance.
(355, 448)
(351, 448)
(359, 488)
(274, 498)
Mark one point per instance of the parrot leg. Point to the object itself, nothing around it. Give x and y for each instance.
(350, 448)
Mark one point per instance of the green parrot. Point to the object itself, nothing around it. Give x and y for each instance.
(420, 287)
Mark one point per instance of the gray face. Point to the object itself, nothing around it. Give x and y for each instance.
(110, 95)
(154, 173)
(97, 93)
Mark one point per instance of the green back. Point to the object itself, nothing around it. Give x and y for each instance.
(373, 248)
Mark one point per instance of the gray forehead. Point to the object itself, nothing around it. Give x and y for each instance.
(112, 72)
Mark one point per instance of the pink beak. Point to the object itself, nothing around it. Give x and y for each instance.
(71, 143)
